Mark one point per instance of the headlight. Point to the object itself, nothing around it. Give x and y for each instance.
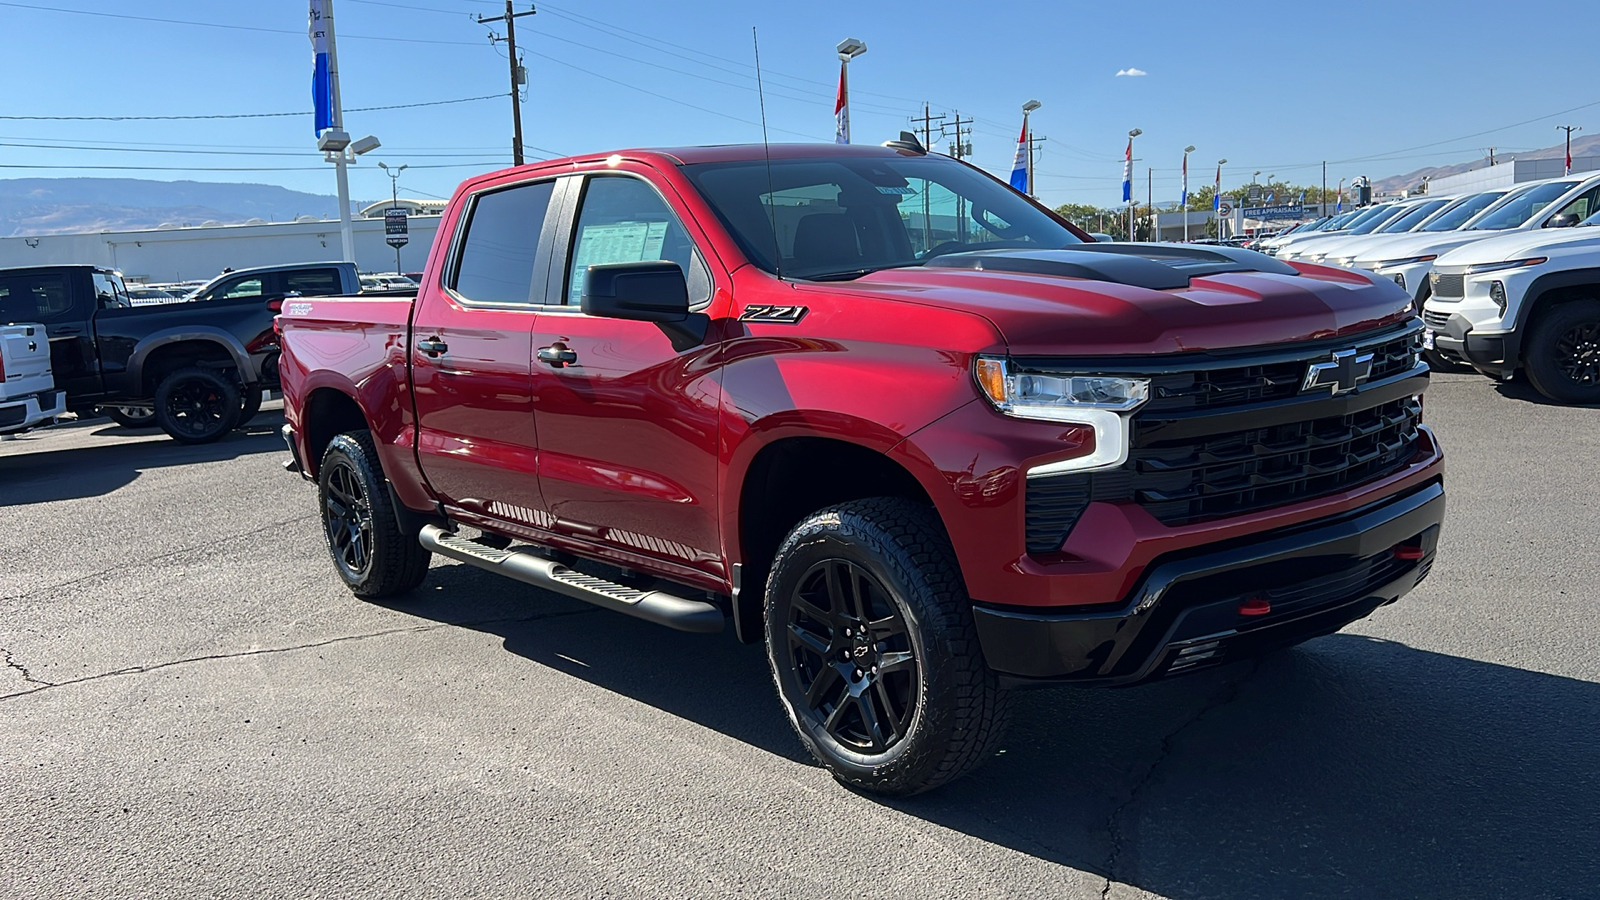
(1099, 402)
(1481, 268)
(1405, 261)
(1346, 261)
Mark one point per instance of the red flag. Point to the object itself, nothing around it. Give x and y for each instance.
(841, 110)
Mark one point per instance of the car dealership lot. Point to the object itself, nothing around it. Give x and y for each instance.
(193, 704)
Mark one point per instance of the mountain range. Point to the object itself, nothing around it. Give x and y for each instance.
(67, 205)
(1585, 146)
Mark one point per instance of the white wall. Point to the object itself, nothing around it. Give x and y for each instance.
(192, 254)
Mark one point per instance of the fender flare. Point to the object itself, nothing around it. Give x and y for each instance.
(1542, 285)
(166, 337)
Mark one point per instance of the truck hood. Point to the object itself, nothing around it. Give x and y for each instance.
(1519, 245)
(1135, 299)
(1434, 243)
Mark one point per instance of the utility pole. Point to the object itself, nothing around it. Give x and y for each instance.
(1150, 199)
(518, 74)
(1491, 156)
(961, 149)
(1322, 201)
(1569, 129)
(928, 120)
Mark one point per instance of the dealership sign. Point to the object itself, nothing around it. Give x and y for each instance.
(394, 226)
(1288, 211)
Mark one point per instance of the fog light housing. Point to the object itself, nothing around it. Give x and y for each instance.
(1497, 293)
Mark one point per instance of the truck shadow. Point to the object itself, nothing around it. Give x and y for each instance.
(1522, 390)
(37, 469)
(1347, 767)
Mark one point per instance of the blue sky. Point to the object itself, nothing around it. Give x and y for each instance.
(1375, 88)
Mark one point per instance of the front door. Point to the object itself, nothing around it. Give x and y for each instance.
(471, 350)
(628, 427)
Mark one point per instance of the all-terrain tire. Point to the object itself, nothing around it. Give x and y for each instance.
(373, 556)
(197, 406)
(249, 405)
(953, 712)
(1562, 355)
(133, 417)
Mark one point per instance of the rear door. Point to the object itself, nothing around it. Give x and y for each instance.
(627, 429)
(471, 354)
(62, 300)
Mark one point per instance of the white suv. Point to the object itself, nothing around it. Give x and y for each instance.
(1524, 300)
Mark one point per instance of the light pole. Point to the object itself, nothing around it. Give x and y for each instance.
(394, 200)
(1027, 135)
(1186, 151)
(1129, 174)
(1569, 129)
(848, 49)
(1216, 197)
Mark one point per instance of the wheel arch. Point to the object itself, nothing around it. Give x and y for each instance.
(1545, 293)
(175, 348)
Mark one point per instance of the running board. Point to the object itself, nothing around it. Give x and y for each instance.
(529, 568)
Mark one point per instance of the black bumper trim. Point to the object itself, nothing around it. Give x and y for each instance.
(293, 463)
(1494, 355)
(1192, 601)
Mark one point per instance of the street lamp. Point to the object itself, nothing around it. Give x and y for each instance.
(1127, 178)
(848, 49)
(394, 200)
(1216, 196)
(1027, 135)
(1186, 151)
(338, 149)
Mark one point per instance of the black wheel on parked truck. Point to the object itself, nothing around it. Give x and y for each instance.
(139, 417)
(250, 404)
(1562, 356)
(197, 406)
(874, 652)
(373, 555)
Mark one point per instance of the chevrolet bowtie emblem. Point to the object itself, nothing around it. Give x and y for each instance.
(1341, 374)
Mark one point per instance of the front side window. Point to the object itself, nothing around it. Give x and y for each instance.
(1582, 205)
(26, 299)
(836, 218)
(248, 287)
(1413, 218)
(1517, 208)
(1457, 216)
(502, 244)
(624, 220)
(105, 292)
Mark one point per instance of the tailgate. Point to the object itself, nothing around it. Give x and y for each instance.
(25, 354)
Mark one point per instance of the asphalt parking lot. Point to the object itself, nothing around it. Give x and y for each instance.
(191, 704)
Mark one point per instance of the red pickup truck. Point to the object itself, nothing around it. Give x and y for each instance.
(920, 436)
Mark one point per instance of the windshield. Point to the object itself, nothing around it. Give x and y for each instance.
(1457, 216)
(1413, 218)
(1518, 208)
(1338, 222)
(1371, 223)
(847, 216)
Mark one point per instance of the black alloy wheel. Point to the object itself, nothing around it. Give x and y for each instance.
(197, 406)
(347, 516)
(1562, 353)
(849, 650)
(1578, 354)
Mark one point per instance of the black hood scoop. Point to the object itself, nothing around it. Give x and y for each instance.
(1159, 267)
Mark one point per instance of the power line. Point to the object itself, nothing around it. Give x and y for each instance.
(271, 115)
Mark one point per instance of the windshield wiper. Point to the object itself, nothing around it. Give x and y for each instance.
(853, 274)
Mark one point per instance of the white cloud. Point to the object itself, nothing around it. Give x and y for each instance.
(1131, 73)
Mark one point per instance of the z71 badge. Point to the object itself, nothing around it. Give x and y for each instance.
(761, 312)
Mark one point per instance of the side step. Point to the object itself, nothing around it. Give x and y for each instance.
(529, 568)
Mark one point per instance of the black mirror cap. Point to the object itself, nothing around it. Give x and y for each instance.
(1565, 220)
(652, 291)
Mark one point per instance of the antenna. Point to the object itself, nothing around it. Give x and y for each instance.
(766, 149)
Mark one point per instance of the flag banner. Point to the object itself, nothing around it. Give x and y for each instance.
(321, 82)
(1185, 201)
(1216, 196)
(1019, 165)
(841, 108)
(1127, 174)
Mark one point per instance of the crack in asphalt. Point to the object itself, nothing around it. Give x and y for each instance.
(11, 663)
(1226, 695)
(146, 561)
(264, 651)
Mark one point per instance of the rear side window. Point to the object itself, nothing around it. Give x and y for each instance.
(33, 298)
(312, 282)
(624, 220)
(502, 244)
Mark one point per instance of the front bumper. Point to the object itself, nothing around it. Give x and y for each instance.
(1494, 353)
(1185, 612)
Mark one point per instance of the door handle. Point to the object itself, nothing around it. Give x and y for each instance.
(558, 355)
(432, 346)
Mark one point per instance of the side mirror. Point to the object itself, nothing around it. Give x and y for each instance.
(653, 291)
(1564, 220)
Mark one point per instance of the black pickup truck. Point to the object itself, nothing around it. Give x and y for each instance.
(197, 369)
